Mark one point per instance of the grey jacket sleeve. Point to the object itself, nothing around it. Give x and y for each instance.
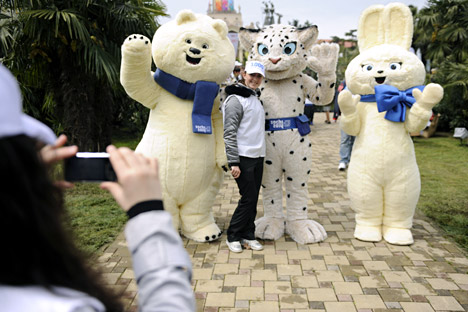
(232, 116)
(162, 266)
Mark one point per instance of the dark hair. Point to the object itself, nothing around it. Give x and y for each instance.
(39, 250)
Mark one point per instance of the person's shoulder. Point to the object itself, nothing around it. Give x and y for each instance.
(37, 298)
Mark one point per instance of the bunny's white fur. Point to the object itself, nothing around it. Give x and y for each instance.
(383, 176)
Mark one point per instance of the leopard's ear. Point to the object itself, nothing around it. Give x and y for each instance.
(248, 37)
(308, 35)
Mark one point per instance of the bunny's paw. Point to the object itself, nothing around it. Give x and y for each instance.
(430, 96)
(347, 102)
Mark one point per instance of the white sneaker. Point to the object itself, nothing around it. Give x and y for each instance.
(342, 166)
(252, 244)
(234, 246)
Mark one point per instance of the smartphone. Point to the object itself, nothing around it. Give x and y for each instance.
(89, 167)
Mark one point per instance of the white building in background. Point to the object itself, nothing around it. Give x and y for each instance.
(224, 10)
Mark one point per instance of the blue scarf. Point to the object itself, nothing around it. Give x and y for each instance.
(202, 93)
(392, 100)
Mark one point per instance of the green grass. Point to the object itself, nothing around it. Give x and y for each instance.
(124, 138)
(95, 217)
(443, 164)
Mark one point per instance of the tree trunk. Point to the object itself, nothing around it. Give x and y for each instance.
(85, 109)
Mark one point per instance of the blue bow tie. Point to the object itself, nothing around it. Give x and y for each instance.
(392, 100)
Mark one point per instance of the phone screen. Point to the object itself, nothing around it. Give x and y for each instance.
(90, 167)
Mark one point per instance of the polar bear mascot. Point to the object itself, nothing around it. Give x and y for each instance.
(385, 101)
(185, 128)
(286, 51)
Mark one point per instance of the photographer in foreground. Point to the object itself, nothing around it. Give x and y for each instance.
(41, 269)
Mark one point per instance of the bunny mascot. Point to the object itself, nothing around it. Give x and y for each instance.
(385, 101)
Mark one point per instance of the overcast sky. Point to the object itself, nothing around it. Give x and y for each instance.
(333, 17)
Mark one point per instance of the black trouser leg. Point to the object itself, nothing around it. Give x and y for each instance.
(242, 224)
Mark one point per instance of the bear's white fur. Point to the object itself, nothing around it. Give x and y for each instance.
(190, 164)
(286, 51)
(383, 177)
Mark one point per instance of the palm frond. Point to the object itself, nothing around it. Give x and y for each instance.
(453, 33)
(71, 21)
(97, 60)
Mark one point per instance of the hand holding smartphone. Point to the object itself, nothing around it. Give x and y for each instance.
(89, 167)
(138, 177)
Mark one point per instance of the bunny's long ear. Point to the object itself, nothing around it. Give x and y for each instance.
(398, 23)
(371, 29)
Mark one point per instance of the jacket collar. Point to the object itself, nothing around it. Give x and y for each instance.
(241, 90)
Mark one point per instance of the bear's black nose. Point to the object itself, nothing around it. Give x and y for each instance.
(194, 51)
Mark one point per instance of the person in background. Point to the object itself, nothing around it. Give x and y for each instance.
(326, 109)
(336, 107)
(346, 140)
(346, 147)
(244, 137)
(236, 75)
(309, 110)
(41, 269)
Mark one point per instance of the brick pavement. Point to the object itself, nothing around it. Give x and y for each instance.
(341, 274)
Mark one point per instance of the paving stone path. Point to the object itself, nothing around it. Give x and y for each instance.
(341, 274)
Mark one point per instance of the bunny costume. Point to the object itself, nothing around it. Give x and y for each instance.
(383, 104)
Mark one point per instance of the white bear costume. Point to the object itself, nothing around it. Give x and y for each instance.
(383, 176)
(192, 48)
(286, 51)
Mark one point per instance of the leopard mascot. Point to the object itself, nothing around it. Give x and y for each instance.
(286, 51)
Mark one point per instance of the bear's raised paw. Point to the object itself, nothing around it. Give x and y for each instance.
(136, 43)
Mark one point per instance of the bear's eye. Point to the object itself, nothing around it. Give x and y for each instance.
(205, 46)
(263, 49)
(188, 41)
(395, 66)
(367, 68)
(289, 48)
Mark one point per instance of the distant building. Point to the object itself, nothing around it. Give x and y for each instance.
(343, 43)
(224, 10)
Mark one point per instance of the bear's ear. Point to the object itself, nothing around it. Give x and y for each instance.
(248, 37)
(308, 35)
(221, 27)
(185, 16)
